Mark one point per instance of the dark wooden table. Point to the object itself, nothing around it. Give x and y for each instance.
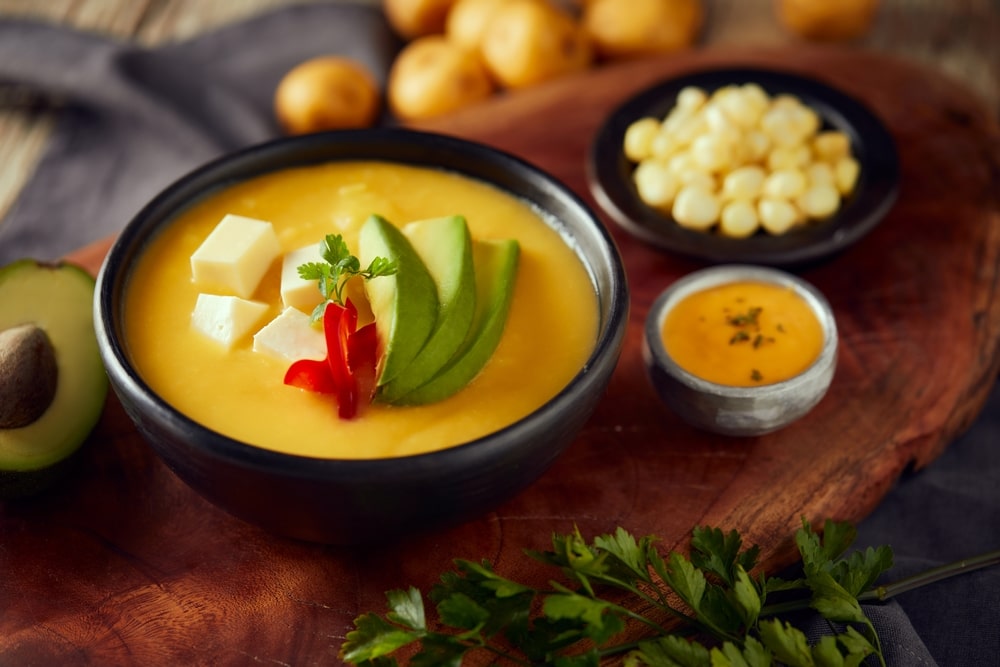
(125, 565)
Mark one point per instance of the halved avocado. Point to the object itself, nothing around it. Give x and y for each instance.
(47, 409)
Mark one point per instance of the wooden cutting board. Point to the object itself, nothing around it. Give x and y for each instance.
(125, 565)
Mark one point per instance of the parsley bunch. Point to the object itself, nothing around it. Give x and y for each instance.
(701, 610)
(338, 267)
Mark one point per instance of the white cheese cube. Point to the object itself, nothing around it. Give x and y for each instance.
(235, 256)
(297, 293)
(227, 319)
(291, 336)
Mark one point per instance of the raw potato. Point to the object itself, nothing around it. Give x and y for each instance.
(433, 76)
(327, 93)
(467, 22)
(642, 27)
(527, 42)
(416, 18)
(826, 20)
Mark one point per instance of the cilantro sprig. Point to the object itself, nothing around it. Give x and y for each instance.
(620, 597)
(338, 267)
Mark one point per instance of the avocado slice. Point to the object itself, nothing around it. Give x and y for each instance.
(405, 304)
(495, 264)
(52, 382)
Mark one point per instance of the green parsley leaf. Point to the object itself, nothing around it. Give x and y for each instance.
(599, 619)
(720, 553)
(407, 609)
(461, 611)
(333, 276)
(671, 651)
(787, 643)
(705, 609)
(373, 638)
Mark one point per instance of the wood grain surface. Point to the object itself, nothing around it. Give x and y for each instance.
(125, 565)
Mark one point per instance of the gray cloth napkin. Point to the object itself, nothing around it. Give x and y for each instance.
(133, 120)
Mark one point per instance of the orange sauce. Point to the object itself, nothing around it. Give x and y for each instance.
(743, 334)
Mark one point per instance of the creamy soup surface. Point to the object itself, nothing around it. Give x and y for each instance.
(550, 332)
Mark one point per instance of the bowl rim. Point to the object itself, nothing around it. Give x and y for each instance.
(275, 153)
(878, 187)
(721, 274)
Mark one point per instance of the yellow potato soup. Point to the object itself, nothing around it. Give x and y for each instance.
(550, 332)
(743, 334)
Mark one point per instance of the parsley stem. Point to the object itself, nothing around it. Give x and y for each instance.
(887, 591)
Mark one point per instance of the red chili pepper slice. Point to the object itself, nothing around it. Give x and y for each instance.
(362, 355)
(311, 375)
(349, 368)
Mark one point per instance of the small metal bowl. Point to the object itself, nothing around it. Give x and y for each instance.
(732, 410)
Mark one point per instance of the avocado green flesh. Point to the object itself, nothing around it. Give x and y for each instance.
(445, 246)
(496, 270)
(405, 304)
(58, 298)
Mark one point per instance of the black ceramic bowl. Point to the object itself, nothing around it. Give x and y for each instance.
(610, 173)
(355, 501)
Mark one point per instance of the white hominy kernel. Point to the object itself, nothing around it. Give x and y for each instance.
(655, 184)
(740, 110)
(831, 145)
(819, 172)
(719, 123)
(689, 130)
(681, 163)
(789, 157)
(712, 152)
(663, 145)
(757, 145)
(785, 101)
(777, 216)
(846, 174)
(807, 121)
(784, 184)
(695, 208)
(738, 219)
(779, 125)
(691, 97)
(819, 201)
(756, 97)
(639, 138)
(698, 177)
(677, 117)
(743, 183)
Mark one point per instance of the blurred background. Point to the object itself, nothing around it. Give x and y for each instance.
(960, 37)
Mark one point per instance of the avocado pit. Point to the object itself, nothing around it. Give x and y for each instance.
(29, 375)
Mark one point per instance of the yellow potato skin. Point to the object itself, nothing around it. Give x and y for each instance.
(416, 18)
(327, 93)
(527, 42)
(642, 27)
(825, 21)
(432, 76)
(467, 21)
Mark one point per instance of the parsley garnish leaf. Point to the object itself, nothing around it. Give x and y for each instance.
(620, 596)
(339, 267)
(374, 638)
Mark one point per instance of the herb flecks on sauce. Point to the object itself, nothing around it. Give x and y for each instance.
(748, 330)
(724, 332)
